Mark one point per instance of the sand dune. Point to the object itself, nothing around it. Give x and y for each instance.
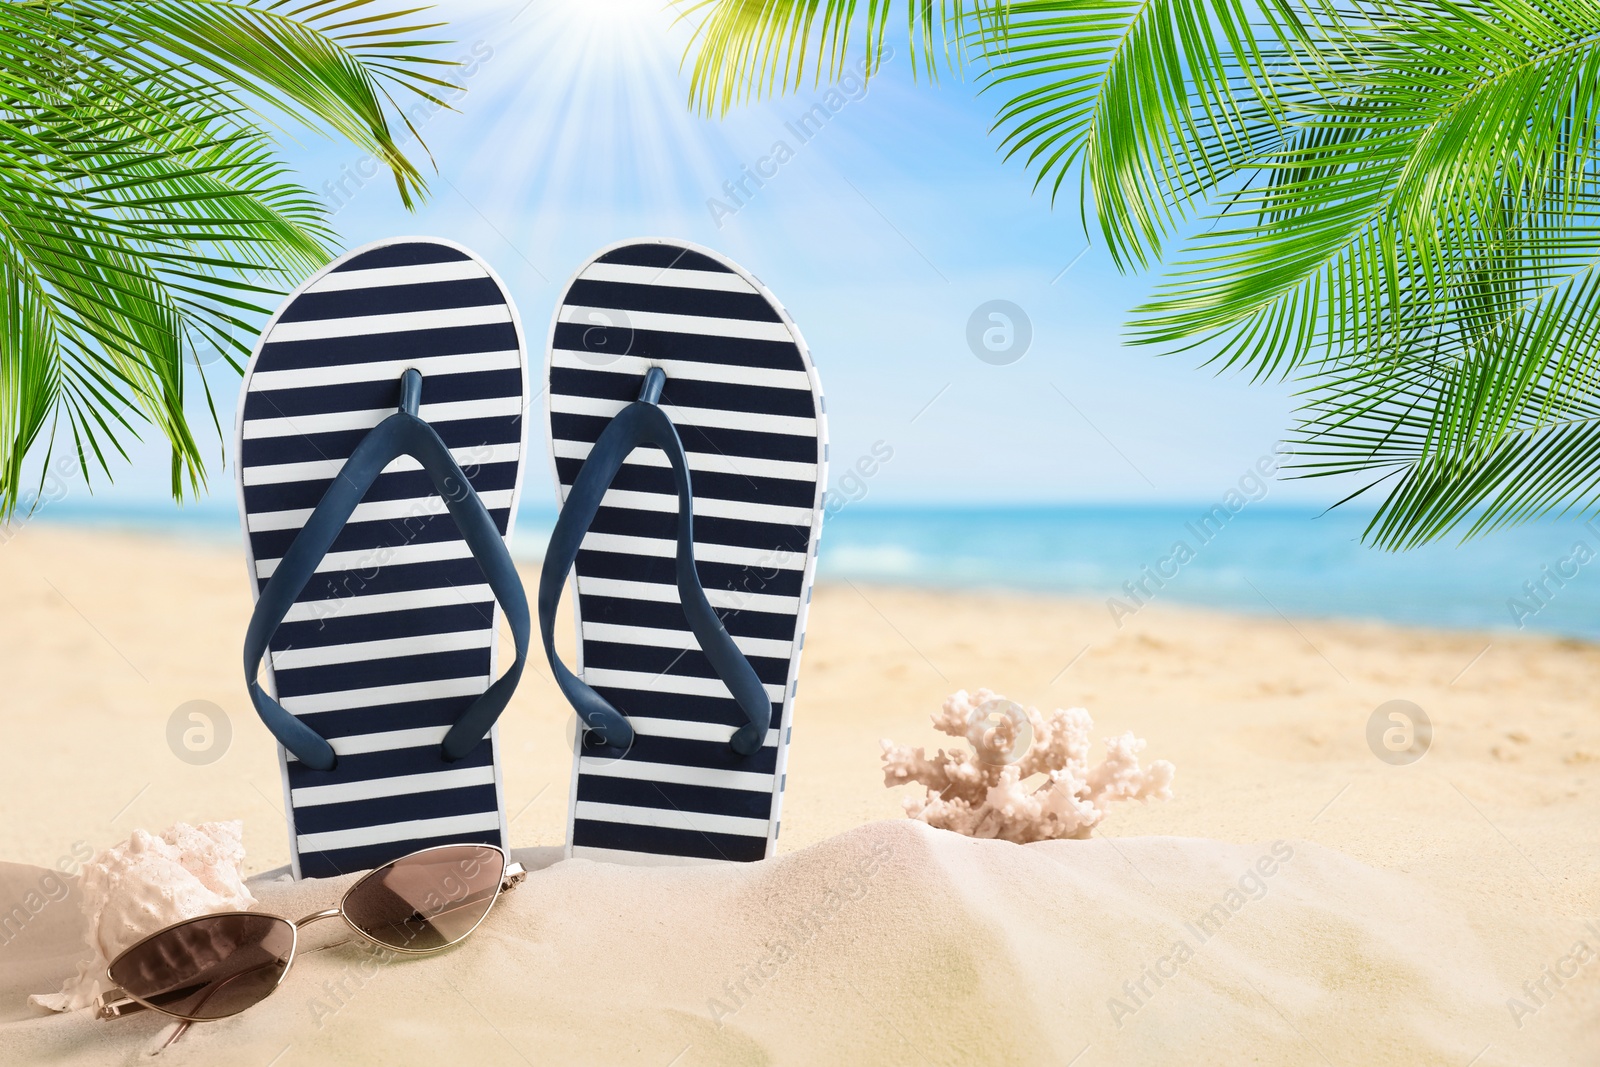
(894, 943)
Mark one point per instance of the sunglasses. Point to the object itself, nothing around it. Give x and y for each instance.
(214, 966)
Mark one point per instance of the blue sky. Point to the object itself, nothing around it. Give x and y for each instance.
(882, 232)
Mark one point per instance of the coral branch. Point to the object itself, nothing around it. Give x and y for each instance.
(996, 790)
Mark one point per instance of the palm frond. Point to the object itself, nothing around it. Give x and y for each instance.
(746, 49)
(1394, 202)
(1508, 433)
(1153, 102)
(143, 212)
(1389, 195)
(329, 62)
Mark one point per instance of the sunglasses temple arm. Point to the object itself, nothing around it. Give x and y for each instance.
(177, 1032)
(114, 1004)
(515, 873)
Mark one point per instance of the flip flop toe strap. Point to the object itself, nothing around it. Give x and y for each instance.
(401, 434)
(644, 423)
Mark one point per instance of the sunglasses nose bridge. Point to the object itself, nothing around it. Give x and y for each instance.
(318, 916)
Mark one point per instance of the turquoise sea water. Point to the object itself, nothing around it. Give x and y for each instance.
(1300, 562)
(1263, 559)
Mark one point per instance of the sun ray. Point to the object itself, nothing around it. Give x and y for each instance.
(581, 110)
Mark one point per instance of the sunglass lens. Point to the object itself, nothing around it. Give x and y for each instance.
(427, 900)
(210, 967)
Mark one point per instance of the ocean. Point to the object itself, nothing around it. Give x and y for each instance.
(1264, 559)
(1300, 562)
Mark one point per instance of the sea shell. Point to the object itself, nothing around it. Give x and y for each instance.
(149, 882)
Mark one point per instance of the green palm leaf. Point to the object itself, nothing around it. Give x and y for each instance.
(1395, 203)
(748, 48)
(1151, 102)
(143, 212)
(1421, 252)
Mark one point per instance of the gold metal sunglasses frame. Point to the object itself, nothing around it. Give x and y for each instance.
(116, 1002)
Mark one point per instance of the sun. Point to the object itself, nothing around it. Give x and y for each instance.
(582, 108)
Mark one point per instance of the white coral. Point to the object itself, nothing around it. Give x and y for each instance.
(149, 882)
(996, 791)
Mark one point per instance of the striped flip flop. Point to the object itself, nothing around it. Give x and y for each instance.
(380, 443)
(690, 447)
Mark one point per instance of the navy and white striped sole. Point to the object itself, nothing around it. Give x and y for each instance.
(745, 399)
(397, 633)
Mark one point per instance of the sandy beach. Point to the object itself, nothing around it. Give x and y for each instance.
(1417, 907)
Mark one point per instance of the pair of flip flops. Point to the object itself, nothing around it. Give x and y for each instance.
(381, 443)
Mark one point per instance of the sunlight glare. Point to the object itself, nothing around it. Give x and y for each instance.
(583, 106)
(609, 14)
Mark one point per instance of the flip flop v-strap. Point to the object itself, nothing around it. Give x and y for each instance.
(643, 423)
(402, 434)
